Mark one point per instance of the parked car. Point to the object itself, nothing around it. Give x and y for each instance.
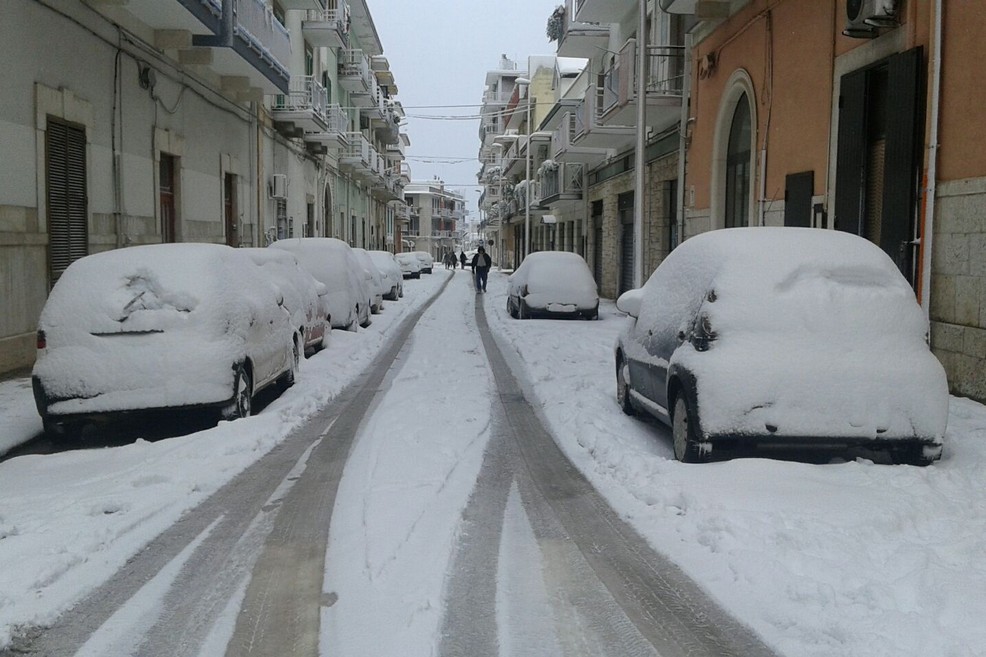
(410, 265)
(751, 337)
(426, 260)
(332, 262)
(390, 272)
(552, 284)
(374, 280)
(163, 326)
(304, 297)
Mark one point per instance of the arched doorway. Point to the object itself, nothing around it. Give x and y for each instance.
(738, 160)
(734, 155)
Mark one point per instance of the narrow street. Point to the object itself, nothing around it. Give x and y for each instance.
(465, 533)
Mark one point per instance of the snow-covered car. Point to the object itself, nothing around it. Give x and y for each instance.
(304, 297)
(555, 284)
(749, 337)
(390, 272)
(332, 262)
(162, 326)
(410, 265)
(426, 260)
(374, 280)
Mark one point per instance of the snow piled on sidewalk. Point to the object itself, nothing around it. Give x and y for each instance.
(847, 558)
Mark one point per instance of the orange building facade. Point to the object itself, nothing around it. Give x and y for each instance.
(858, 115)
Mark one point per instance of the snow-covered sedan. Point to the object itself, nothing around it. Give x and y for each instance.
(390, 272)
(332, 262)
(749, 337)
(161, 326)
(554, 284)
(374, 280)
(304, 297)
(426, 260)
(410, 265)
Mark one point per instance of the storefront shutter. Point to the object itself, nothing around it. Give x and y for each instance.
(850, 175)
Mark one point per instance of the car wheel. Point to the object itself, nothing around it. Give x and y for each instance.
(241, 404)
(686, 448)
(913, 455)
(623, 389)
(62, 434)
(292, 373)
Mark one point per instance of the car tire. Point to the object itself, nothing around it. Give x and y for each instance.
(292, 373)
(912, 455)
(623, 390)
(686, 448)
(241, 405)
(62, 434)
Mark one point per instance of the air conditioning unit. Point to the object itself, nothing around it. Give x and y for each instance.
(865, 17)
(278, 186)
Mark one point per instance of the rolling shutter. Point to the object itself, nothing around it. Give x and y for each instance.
(68, 233)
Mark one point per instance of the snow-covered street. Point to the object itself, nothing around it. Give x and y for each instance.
(847, 558)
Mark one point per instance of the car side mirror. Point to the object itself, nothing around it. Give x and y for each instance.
(280, 299)
(629, 302)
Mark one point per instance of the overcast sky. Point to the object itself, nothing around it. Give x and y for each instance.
(439, 52)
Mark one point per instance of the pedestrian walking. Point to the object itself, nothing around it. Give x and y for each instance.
(462, 258)
(481, 263)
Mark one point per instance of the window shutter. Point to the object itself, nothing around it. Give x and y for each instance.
(850, 173)
(68, 234)
(901, 163)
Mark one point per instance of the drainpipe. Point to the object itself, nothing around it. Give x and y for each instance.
(686, 91)
(927, 237)
(640, 180)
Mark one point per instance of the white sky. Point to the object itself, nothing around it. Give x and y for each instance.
(439, 52)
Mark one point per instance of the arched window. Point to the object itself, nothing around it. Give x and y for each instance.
(737, 209)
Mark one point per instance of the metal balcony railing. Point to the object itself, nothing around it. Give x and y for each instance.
(566, 179)
(357, 151)
(337, 119)
(354, 70)
(306, 94)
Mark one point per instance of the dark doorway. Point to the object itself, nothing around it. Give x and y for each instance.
(625, 212)
(166, 187)
(738, 166)
(229, 210)
(798, 190)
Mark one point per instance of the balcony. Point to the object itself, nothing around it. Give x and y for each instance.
(335, 133)
(664, 92)
(581, 39)
(327, 28)
(598, 11)
(590, 132)
(564, 147)
(355, 76)
(703, 10)
(376, 108)
(256, 45)
(302, 4)
(303, 107)
(561, 184)
(357, 154)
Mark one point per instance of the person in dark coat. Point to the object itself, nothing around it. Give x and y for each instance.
(481, 263)
(462, 258)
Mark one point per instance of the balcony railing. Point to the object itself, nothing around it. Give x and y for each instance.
(357, 152)
(562, 182)
(580, 39)
(327, 28)
(355, 75)
(255, 24)
(305, 104)
(663, 80)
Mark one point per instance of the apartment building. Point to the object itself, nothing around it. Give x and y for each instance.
(854, 116)
(436, 218)
(582, 187)
(228, 121)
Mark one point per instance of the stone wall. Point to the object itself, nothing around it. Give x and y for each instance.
(958, 286)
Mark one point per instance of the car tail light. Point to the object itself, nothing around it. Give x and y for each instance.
(42, 340)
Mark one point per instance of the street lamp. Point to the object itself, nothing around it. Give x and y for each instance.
(524, 82)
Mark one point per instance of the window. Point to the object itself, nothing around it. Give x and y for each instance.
(738, 166)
